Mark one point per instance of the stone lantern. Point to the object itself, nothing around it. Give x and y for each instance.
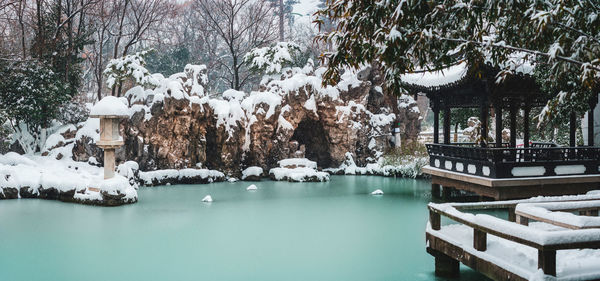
(110, 110)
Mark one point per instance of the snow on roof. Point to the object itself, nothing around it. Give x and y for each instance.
(437, 78)
(109, 106)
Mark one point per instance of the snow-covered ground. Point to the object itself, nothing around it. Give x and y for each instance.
(29, 176)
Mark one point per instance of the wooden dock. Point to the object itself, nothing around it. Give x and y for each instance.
(510, 188)
(516, 247)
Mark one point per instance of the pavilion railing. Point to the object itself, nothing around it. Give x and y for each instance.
(541, 159)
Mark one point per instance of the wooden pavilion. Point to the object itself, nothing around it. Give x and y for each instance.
(497, 169)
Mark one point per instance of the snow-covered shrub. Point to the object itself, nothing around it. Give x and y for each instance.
(30, 96)
(273, 59)
(73, 112)
(129, 66)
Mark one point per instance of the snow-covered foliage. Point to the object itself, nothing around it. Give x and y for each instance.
(130, 66)
(559, 37)
(408, 167)
(274, 59)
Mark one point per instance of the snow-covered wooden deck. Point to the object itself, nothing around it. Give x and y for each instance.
(506, 250)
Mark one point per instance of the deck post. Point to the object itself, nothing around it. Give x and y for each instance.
(446, 266)
(511, 214)
(446, 192)
(547, 261)
(522, 220)
(435, 220)
(435, 190)
(479, 240)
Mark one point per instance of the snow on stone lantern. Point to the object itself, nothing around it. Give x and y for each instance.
(110, 110)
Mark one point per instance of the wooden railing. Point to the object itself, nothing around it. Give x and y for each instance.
(500, 161)
(546, 251)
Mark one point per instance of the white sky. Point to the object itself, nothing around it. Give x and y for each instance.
(306, 7)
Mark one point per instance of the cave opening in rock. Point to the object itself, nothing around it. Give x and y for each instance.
(213, 150)
(311, 134)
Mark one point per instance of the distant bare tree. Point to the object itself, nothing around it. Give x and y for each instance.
(241, 25)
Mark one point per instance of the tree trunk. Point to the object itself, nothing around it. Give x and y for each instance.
(281, 18)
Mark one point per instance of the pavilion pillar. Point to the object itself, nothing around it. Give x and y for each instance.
(436, 124)
(498, 112)
(484, 122)
(446, 124)
(572, 129)
(513, 125)
(526, 111)
(592, 103)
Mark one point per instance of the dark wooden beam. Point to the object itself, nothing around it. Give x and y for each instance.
(547, 261)
(572, 129)
(591, 124)
(498, 112)
(484, 112)
(436, 124)
(526, 111)
(446, 125)
(513, 125)
(479, 240)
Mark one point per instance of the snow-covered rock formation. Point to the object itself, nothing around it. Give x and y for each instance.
(177, 125)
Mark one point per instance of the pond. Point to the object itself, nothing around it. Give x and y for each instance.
(282, 231)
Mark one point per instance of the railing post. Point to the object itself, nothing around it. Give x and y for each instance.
(434, 220)
(547, 261)
(522, 220)
(511, 214)
(479, 240)
(435, 190)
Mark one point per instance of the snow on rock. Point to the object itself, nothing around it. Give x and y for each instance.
(253, 173)
(30, 176)
(232, 179)
(109, 106)
(300, 174)
(377, 192)
(251, 187)
(184, 176)
(297, 162)
(207, 199)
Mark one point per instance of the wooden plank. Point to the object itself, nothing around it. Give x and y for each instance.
(521, 219)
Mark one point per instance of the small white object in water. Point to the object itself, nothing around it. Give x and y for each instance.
(232, 179)
(377, 192)
(252, 187)
(207, 199)
(168, 183)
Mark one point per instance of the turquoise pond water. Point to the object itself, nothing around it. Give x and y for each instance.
(283, 231)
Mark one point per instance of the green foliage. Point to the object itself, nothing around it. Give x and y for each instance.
(168, 62)
(31, 92)
(406, 161)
